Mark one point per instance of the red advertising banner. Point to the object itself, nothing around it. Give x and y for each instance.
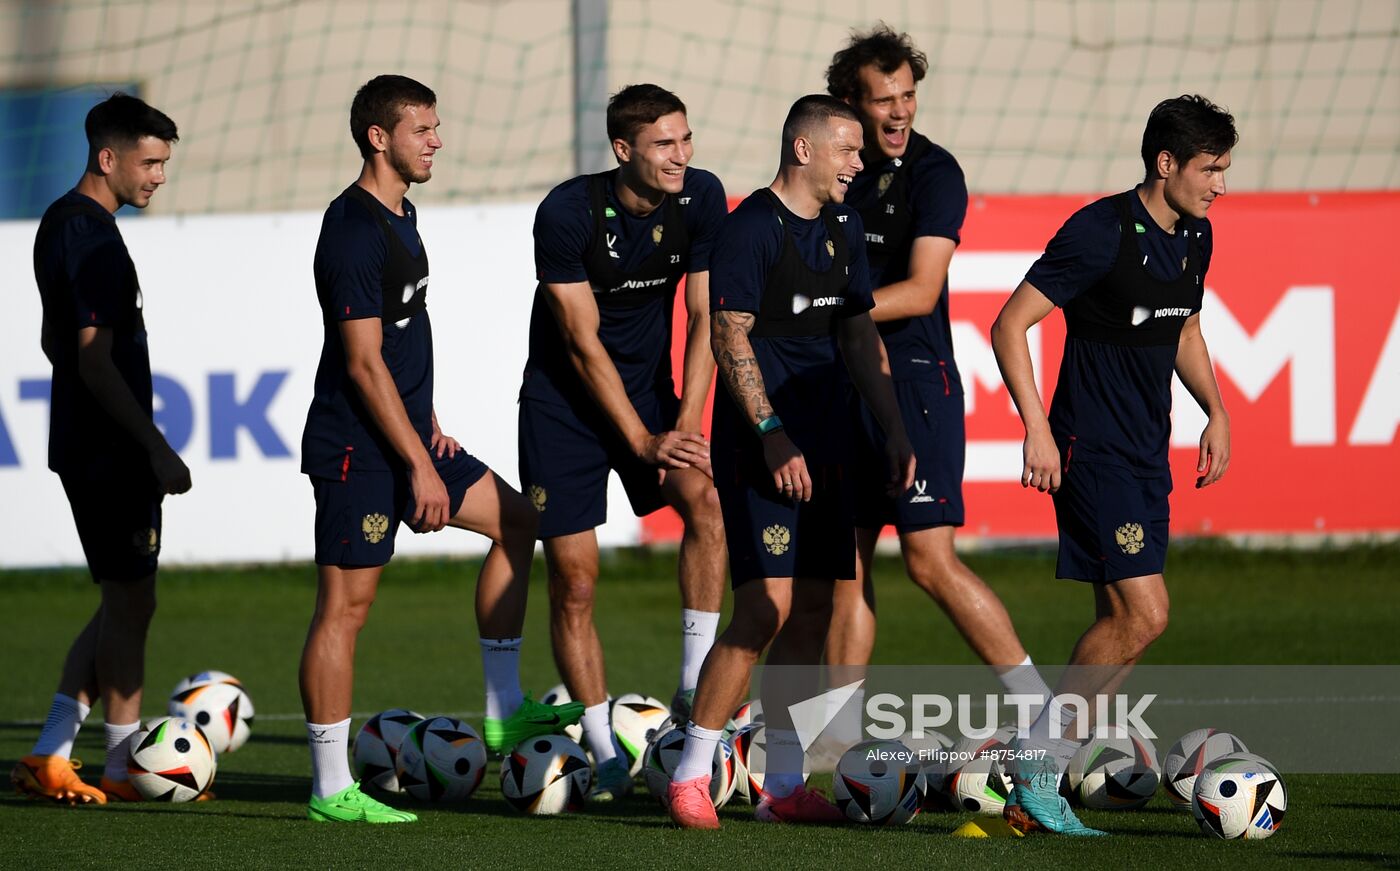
(1302, 317)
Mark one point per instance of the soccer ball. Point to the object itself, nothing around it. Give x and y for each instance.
(1239, 796)
(441, 759)
(750, 745)
(749, 712)
(931, 754)
(1114, 770)
(170, 760)
(636, 720)
(559, 695)
(978, 778)
(217, 703)
(1188, 757)
(879, 782)
(664, 754)
(546, 775)
(376, 748)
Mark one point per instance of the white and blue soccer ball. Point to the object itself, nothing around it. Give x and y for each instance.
(879, 783)
(978, 777)
(1239, 796)
(1188, 757)
(636, 721)
(376, 749)
(546, 775)
(1116, 769)
(664, 754)
(170, 760)
(441, 759)
(217, 703)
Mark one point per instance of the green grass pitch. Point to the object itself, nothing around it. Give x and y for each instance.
(419, 651)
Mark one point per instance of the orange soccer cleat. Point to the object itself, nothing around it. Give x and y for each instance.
(55, 778)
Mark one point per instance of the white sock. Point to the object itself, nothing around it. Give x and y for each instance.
(1061, 749)
(66, 716)
(785, 760)
(330, 766)
(697, 636)
(500, 660)
(698, 755)
(1025, 680)
(116, 753)
(598, 733)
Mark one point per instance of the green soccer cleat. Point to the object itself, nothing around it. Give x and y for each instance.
(1035, 803)
(352, 806)
(530, 720)
(612, 783)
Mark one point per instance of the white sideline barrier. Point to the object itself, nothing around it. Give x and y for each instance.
(234, 295)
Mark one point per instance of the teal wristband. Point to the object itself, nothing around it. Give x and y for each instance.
(771, 423)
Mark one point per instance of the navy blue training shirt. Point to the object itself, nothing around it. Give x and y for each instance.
(1113, 400)
(86, 279)
(800, 373)
(352, 255)
(637, 338)
(935, 204)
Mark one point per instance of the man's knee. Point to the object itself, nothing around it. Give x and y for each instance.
(572, 591)
(699, 508)
(130, 603)
(520, 521)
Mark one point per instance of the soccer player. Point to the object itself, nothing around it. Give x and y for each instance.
(912, 200)
(598, 392)
(789, 297)
(114, 463)
(1129, 271)
(377, 457)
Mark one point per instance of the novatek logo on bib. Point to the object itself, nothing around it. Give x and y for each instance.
(1142, 314)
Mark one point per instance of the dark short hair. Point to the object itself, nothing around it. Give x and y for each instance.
(813, 110)
(884, 48)
(380, 103)
(1184, 127)
(121, 120)
(636, 106)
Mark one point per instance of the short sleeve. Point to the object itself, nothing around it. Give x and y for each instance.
(563, 230)
(940, 197)
(350, 265)
(101, 273)
(859, 297)
(705, 214)
(1079, 255)
(747, 245)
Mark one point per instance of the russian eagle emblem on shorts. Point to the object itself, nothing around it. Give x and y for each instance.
(776, 539)
(537, 496)
(375, 526)
(830, 248)
(883, 184)
(1131, 538)
(656, 233)
(146, 542)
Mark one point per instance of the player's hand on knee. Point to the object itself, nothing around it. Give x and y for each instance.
(172, 475)
(1042, 462)
(788, 466)
(674, 449)
(900, 462)
(430, 503)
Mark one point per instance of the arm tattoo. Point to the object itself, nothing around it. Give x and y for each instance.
(729, 339)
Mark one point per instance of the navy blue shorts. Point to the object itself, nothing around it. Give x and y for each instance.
(118, 516)
(565, 457)
(933, 419)
(358, 517)
(1112, 521)
(770, 536)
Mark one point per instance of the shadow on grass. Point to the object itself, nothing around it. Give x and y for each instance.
(1380, 860)
(269, 788)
